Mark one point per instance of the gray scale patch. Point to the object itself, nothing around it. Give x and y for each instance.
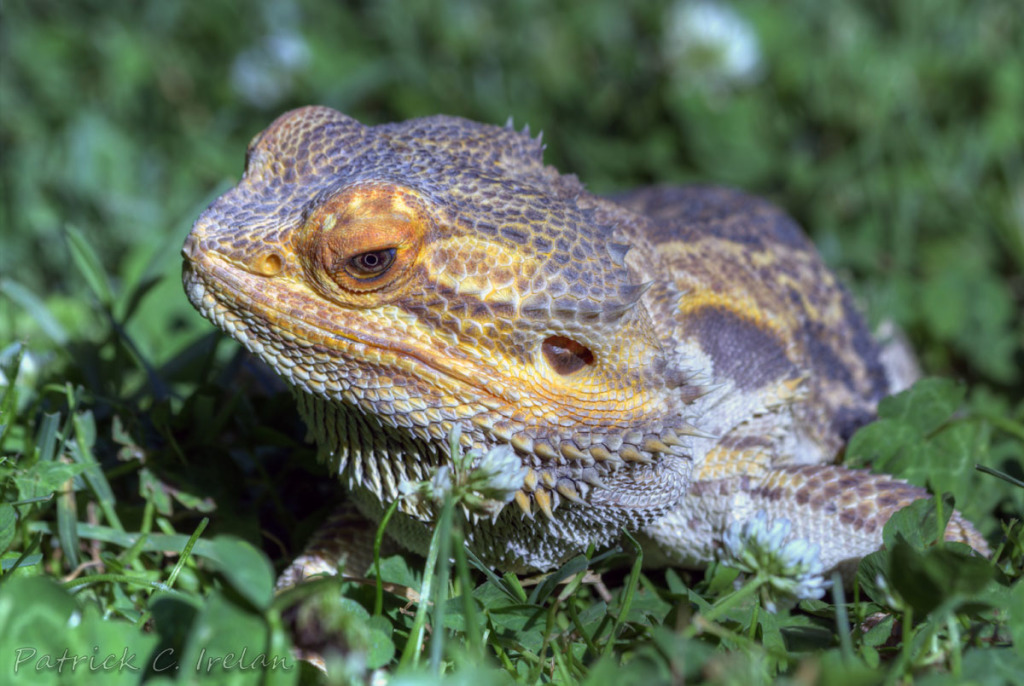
(739, 349)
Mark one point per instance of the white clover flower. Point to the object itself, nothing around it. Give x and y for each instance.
(441, 484)
(708, 43)
(482, 484)
(435, 489)
(499, 473)
(793, 569)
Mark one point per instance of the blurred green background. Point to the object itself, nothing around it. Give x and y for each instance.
(891, 130)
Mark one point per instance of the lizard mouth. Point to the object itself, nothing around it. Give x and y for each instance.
(264, 316)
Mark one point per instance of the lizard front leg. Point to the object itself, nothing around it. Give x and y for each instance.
(841, 510)
(345, 539)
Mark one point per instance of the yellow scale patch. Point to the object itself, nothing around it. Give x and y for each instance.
(726, 463)
(745, 295)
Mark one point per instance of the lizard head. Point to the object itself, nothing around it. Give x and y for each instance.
(435, 273)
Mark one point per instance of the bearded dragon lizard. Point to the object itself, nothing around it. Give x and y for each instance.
(671, 361)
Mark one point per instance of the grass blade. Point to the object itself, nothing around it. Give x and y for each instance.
(89, 266)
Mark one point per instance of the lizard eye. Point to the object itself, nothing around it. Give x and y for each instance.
(371, 264)
(364, 240)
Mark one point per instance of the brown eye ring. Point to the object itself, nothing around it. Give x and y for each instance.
(361, 242)
(369, 265)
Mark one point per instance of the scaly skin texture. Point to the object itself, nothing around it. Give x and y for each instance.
(670, 361)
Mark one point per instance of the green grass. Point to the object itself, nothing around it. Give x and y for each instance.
(154, 479)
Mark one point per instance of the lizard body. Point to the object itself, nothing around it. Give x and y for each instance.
(670, 361)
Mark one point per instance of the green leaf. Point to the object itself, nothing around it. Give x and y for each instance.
(1015, 614)
(880, 632)
(687, 657)
(173, 617)
(917, 523)
(34, 612)
(9, 560)
(836, 671)
(36, 309)
(647, 608)
(929, 578)
(909, 577)
(720, 579)
(10, 368)
(925, 406)
(46, 629)
(880, 444)
(82, 451)
(900, 441)
(153, 542)
(955, 451)
(396, 570)
(151, 488)
(994, 667)
(281, 644)
(380, 648)
(138, 294)
(246, 569)
(544, 589)
(67, 523)
(44, 478)
(8, 525)
(521, 624)
(46, 436)
(675, 583)
(591, 617)
(607, 670)
(229, 644)
(872, 568)
(512, 586)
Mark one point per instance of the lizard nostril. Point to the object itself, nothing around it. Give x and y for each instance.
(269, 265)
(566, 355)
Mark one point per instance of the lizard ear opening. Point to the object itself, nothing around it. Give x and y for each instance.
(566, 355)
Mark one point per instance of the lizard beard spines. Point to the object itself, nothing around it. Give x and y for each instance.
(362, 450)
(577, 471)
(376, 453)
(544, 491)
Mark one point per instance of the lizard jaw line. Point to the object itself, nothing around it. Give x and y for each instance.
(200, 274)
